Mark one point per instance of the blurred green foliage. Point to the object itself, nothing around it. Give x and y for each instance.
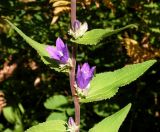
(32, 83)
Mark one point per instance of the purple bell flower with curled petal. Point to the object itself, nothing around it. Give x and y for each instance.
(60, 53)
(84, 76)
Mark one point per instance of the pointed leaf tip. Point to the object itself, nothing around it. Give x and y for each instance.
(113, 122)
(40, 48)
(105, 85)
(93, 37)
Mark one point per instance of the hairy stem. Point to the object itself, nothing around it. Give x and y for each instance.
(72, 70)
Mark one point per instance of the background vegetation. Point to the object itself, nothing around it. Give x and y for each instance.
(27, 83)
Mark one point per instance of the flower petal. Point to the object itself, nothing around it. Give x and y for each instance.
(59, 44)
(92, 70)
(84, 75)
(78, 72)
(86, 82)
(53, 52)
(80, 82)
(71, 122)
(76, 25)
(85, 68)
(79, 78)
(84, 27)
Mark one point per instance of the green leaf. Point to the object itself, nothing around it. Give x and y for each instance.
(1, 127)
(105, 109)
(113, 122)
(55, 102)
(49, 126)
(40, 48)
(105, 85)
(21, 108)
(94, 36)
(18, 127)
(12, 114)
(70, 111)
(57, 116)
(9, 115)
(8, 130)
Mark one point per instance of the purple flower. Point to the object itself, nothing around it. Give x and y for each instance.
(76, 25)
(71, 122)
(72, 127)
(78, 29)
(60, 52)
(84, 75)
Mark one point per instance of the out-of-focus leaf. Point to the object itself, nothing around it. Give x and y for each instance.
(10, 114)
(21, 108)
(8, 130)
(18, 127)
(70, 111)
(55, 102)
(1, 127)
(57, 116)
(104, 109)
(49, 126)
(13, 115)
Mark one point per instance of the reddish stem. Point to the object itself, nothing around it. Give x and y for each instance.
(73, 11)
(72, 70)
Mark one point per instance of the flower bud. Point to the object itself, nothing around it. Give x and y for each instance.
(72, 127)
(76, 25)
(78, 29)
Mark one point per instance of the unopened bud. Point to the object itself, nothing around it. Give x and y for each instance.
(72, 127)
(71, 122)
(76, 25)
(78, 29)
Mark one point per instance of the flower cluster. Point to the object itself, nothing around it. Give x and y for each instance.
(84, 74)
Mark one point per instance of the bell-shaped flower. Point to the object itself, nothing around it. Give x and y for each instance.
(72, 127)
(84, 76)
(60, 53)
(78, 29)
